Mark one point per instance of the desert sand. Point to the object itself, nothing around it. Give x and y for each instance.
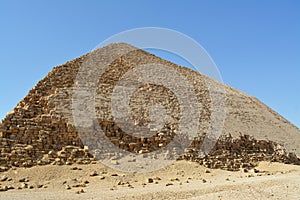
(181, 180)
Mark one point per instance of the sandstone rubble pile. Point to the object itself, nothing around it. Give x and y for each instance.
(234, 154)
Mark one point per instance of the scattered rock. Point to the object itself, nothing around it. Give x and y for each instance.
(10, 187)
(79, 185)
(150, 180)
(3, 168)
(123, 183)
(3, 188)
(74, 168)
(94, 173)
(23, 180)
(3, 178)
(67, 187)
(80, 191)
(24, 185)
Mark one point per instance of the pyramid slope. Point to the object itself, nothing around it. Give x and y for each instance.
(43, 121)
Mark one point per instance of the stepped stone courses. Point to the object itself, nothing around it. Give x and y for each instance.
(40, 130)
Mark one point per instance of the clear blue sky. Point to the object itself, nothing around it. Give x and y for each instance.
(255, 44)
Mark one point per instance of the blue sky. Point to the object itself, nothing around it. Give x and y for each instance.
(255, 44)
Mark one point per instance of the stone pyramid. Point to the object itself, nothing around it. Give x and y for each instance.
(41, 129)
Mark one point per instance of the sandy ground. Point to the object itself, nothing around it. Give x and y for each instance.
(182, 180)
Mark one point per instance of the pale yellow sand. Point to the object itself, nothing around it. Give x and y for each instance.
(186, 180)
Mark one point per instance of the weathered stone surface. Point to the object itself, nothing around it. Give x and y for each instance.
(40, 130)
(234, 154)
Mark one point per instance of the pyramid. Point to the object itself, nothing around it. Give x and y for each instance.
(42, 128)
